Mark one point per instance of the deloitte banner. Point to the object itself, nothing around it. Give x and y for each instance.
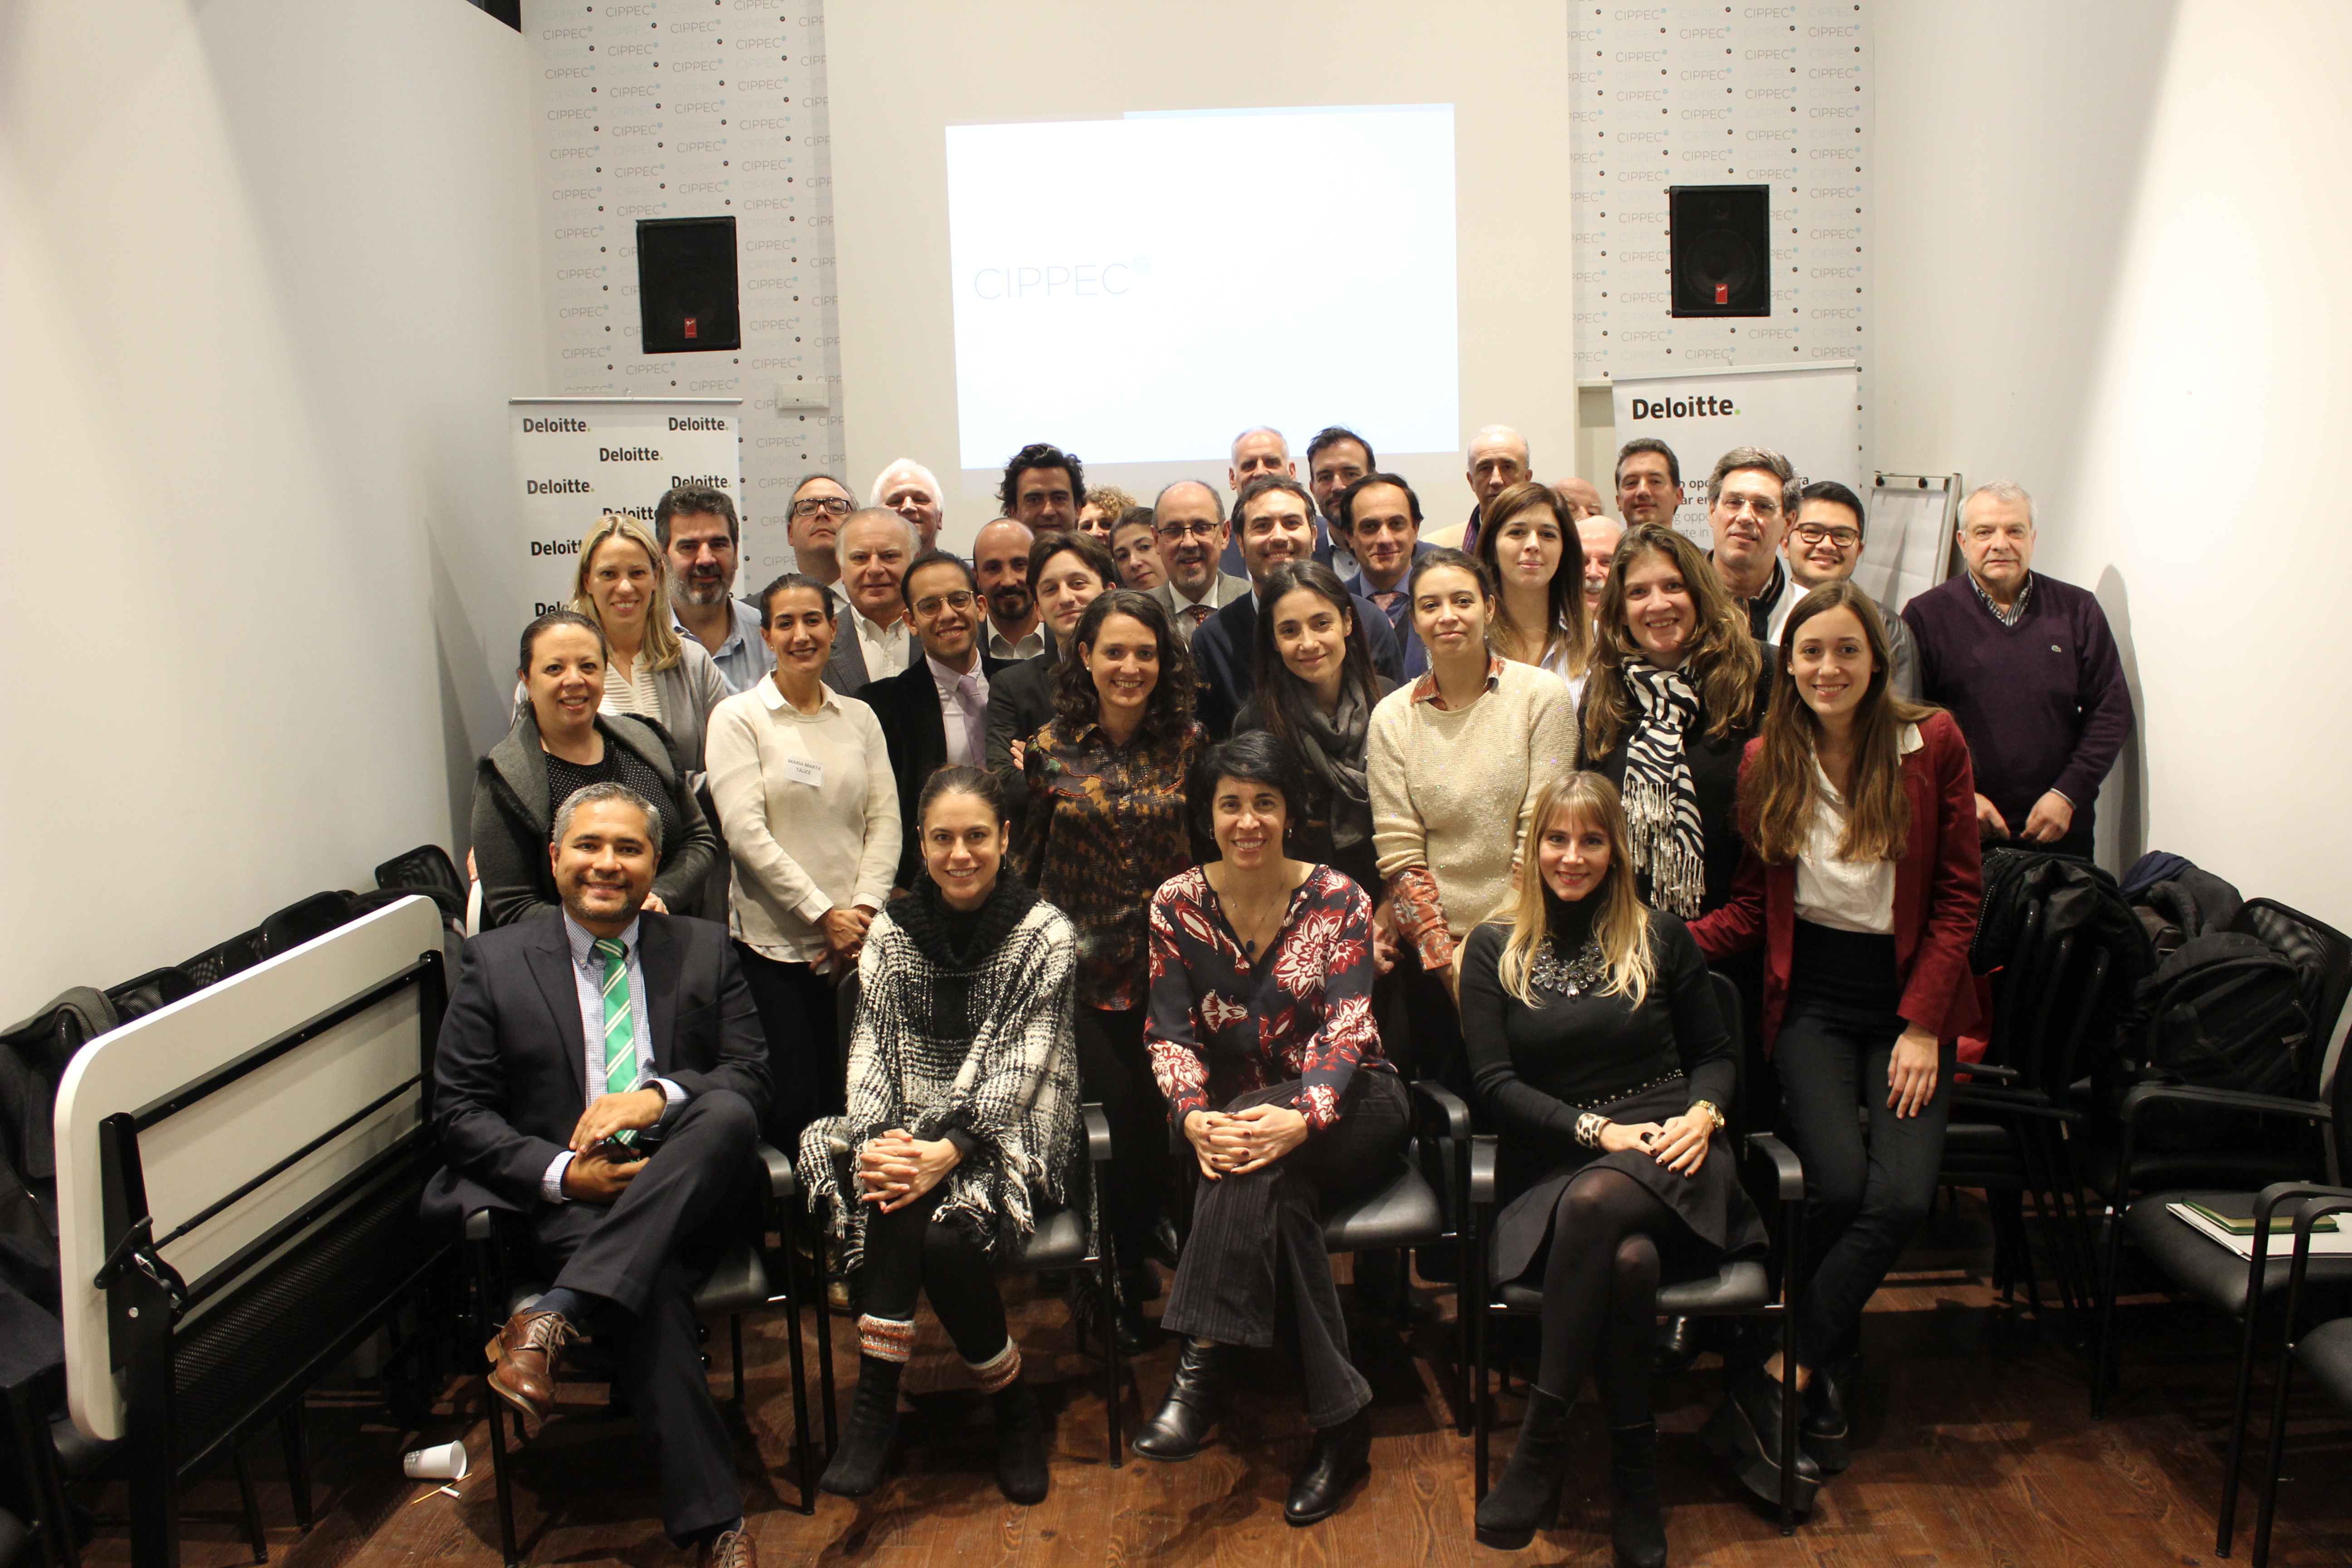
(577, 458)
(1809, 413)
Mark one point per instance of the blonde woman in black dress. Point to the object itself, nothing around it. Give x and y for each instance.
(1596, 1046)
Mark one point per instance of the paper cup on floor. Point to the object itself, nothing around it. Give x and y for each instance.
(444, 1463)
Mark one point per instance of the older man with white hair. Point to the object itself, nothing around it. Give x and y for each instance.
(1498, 460)
(1263, 450)
(913, 491)
(2028, 666)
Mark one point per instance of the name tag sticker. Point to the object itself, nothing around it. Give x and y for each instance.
(804, 770)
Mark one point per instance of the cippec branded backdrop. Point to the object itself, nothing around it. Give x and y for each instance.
(577, 458)
(1810, 414)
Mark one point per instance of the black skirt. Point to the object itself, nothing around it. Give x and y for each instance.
(1722, 1221)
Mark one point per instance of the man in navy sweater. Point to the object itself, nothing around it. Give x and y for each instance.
(2028, 666)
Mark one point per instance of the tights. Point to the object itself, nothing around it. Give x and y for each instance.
(1601, 1291)
(906, 1252)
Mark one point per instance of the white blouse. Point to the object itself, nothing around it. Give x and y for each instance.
(1844, 895)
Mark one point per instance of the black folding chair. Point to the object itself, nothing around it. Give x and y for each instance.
(742, 1280)
(1737, 1288)
(2193, 1262)
(2324, 1351)
(1068, 1238)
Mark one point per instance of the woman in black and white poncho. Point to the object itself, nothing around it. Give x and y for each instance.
(963, 1107)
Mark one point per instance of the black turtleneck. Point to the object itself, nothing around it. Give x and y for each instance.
(1535, 1068)
(1570, 924)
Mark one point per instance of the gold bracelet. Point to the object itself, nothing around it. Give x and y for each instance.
(1714, 1115)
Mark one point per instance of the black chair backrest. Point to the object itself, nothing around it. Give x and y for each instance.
(302, 921)
(157, 988)
(428, 870)
(214, 964)
(1727, 1002)
(2323, 956)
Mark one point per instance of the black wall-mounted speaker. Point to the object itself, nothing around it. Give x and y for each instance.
(1722, 249)
(687, 298)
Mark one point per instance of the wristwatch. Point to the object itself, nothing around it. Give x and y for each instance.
(1714, 1115)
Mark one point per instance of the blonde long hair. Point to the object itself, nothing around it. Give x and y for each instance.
(661, 646)
(1622, 926)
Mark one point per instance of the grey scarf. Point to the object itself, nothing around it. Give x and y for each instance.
(1333, 747)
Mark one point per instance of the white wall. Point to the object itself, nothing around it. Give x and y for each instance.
(2110, 246)
(266, 278)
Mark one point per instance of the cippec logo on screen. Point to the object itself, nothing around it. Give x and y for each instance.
(1682, 407)
(1058, 279)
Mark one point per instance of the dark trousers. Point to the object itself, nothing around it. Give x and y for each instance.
(1258, 1238)
(640, 1254)
(1115, 1071)
(1868, 1195)
(907, 1252)
(806, 1060)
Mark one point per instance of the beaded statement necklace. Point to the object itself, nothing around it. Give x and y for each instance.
(1562, 975)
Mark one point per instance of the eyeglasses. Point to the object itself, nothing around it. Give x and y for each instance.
(1186, 529)
(833, 505)
(1814, 532)
(1756, 504)
(929, 606)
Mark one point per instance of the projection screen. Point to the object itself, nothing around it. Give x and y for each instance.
(1135, 231)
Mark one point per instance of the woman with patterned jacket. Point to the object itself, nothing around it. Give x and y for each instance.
(1262, 1039)
(964, 1105)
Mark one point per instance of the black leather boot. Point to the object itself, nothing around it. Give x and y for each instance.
(1746, 1430)
(856, 1466)
(1021, 1472)
(1195, 1397)
(1676, 1347)
(1341, 1457)
(1635, 1528)
(1527, 1497)
(1822, 1430)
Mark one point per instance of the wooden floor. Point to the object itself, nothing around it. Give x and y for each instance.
(1975, 1445)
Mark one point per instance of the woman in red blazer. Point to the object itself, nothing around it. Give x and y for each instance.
(1861, 877)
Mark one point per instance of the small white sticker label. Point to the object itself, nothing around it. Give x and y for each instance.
(804, 770)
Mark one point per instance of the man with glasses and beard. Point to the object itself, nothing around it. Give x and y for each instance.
(1824, 545)
(698, 534)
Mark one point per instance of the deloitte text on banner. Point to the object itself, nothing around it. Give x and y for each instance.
(1808, 414)
(577, 458)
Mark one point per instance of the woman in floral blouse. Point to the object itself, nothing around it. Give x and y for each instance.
(1262, 1039)
(1107, 825)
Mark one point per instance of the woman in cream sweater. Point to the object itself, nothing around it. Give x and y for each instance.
(1454, 762)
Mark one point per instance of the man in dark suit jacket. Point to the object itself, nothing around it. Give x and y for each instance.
(942, 598)
(602, 1072)
(1275, 516)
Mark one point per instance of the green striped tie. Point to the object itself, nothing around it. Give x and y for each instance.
(620, 1026)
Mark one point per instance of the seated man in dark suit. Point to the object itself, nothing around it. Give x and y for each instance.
(934, 713)
(1276, 520)
(602, 1072)
(1067, 571)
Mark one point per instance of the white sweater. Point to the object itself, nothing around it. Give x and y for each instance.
(1451, 791)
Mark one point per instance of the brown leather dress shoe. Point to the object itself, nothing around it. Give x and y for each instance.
(731, 1548)
(524, 1360)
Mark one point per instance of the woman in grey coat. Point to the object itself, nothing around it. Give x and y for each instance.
(560, 743)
